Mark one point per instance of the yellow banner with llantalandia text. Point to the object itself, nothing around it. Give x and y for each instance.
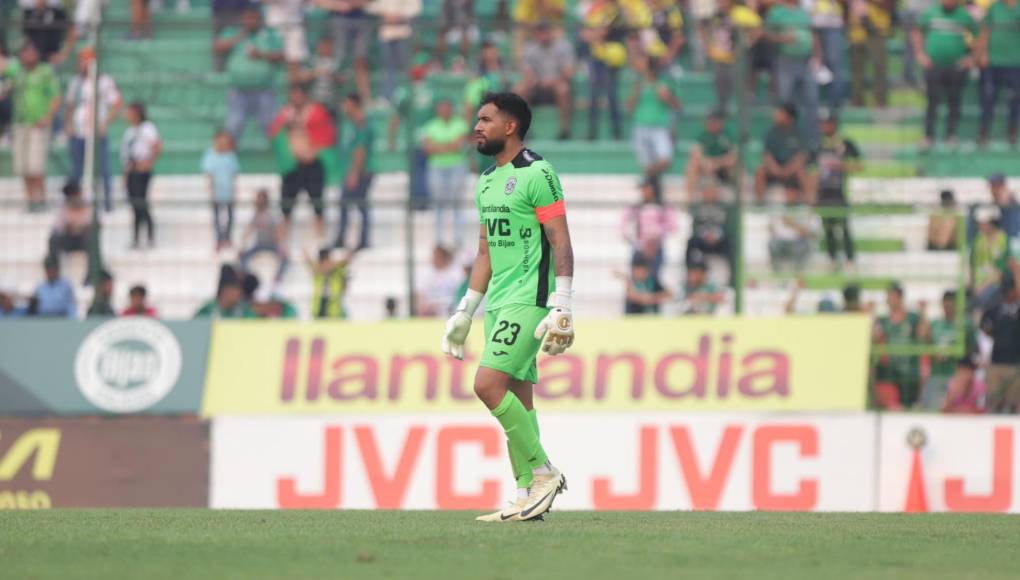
(816, 363)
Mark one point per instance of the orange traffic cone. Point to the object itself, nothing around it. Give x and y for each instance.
(917, 499)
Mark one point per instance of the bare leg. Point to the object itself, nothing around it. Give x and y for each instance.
(524, 391)
(491, 386)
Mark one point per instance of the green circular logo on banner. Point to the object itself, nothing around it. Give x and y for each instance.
(128, 365)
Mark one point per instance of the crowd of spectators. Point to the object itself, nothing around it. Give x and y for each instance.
(967, 359)
(820, 55)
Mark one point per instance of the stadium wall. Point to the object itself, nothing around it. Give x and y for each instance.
(630, 461)
(720, 414)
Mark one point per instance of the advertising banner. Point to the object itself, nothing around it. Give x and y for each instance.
(115, 366)
(618, 461)
(99, 462)
(689, 364)
(959, 464)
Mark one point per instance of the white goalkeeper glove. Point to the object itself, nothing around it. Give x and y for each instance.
(558, 326)
(459, 325)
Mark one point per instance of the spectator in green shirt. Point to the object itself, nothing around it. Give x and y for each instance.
(699, 295)
(102, 301)
(443, 139)
(941, 43)
(254, 54)
(943, 333)
(229, 302)
(36, 93)
(413, 104)
(714, 153)
(998, 52)
(654, 105)
(645, 294)
(898, 378)
(357, 147)
(989, 252)
(785, 157)
(789, 27)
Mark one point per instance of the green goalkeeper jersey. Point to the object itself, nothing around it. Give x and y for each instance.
(513, 202)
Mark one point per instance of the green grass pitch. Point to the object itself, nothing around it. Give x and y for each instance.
(251, 545)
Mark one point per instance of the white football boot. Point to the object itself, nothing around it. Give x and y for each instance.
(544, 489)
(510, 513)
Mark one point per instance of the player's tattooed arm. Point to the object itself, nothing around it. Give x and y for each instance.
(563, 251)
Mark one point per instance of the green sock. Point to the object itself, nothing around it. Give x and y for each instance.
(522, 473)
(512, 415)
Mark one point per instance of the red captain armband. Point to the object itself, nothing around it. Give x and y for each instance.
(548, 212)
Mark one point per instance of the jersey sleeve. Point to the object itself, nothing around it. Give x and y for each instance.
(545, 192)
(973, 26)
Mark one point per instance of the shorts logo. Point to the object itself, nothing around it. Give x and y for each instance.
(128, 365)
(511, 184)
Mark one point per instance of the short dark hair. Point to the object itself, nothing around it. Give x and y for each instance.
(971, 360)
(949, 295)
(354, 98)
(71, 188)
(641, 262)
(139, 108)
(852, 293)
(697, 263)
(514, 105)
(897, 288)
(790, 109)
(138, 290)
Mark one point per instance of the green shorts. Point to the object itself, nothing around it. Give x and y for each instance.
(510, 343)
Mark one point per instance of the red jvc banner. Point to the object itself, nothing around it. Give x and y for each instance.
(614, 461)
(625, 461)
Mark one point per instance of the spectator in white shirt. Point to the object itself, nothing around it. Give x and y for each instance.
(394, 36)
(78, 124)
(288, 18)
(439, 284)
(139, 149)
(793, 228)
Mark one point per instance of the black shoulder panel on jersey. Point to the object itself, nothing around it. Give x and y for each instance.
(525, 158)
(542, 292)
(490, 169)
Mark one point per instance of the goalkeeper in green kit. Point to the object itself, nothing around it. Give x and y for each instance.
(525, 263)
